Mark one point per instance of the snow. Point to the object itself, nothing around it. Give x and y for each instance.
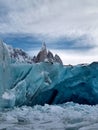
(7, 96)
(18, 55)
(69, 116)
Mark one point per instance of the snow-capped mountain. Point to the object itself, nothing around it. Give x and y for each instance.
(19, 55)
(44, 55)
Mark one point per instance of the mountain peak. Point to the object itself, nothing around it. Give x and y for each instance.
(43, 46)
(46, 56)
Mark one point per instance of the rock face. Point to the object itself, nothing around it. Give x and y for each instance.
(58, 59)
(47, 56)
(42, 55)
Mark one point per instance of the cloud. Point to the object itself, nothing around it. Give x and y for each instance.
(51, 17)
(28, 41)
(82, 43)
(24, 41)
(71, 57)
(68, 25)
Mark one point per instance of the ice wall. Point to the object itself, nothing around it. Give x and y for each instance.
(46, 82)
(4, 69)
(53, 84)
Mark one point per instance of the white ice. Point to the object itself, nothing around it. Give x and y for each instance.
(69, 116)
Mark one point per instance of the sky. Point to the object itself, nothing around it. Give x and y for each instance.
(68, 27)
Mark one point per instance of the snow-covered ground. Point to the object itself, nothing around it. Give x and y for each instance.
(69, 116)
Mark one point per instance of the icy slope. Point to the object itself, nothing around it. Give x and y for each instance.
(45, 82)
(70, 83)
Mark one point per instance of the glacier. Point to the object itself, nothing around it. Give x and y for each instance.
(45, 82)
(41, 93)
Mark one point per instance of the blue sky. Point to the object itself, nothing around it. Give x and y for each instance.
(69, 27)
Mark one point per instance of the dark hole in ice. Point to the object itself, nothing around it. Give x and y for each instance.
(53, 96)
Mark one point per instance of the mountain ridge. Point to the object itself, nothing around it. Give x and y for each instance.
(44, 55)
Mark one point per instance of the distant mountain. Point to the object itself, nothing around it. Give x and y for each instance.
(19, 55)
(44, 55)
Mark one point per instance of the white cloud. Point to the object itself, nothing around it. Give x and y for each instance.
(54, 18)
(51, 17)
(72, 57)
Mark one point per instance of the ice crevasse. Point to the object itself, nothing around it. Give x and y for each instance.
(45, 82)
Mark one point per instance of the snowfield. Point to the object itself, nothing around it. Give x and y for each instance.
(69, 116)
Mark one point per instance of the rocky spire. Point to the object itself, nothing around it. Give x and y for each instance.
(58, 59)
(45, 55)
(42, 55)
(43, 46)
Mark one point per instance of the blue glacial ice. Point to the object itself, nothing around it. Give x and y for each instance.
(45, 82)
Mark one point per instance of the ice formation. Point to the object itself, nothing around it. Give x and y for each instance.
(67, 116)
(46, 81)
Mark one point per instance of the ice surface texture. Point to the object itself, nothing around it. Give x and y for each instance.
(67, 116)
(45, 82)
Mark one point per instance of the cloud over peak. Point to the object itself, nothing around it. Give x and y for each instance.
(53, 21)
